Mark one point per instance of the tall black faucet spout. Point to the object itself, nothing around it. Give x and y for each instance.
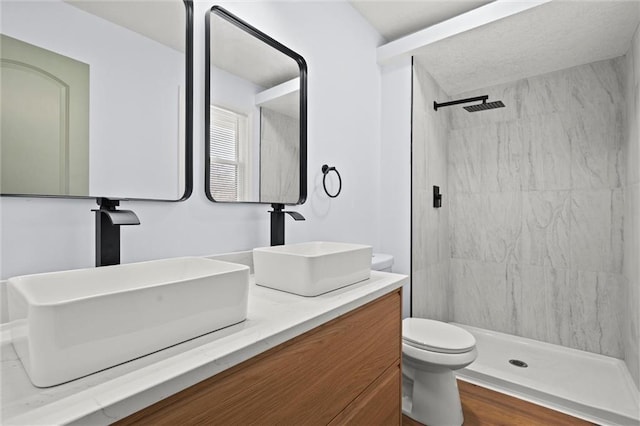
(277, 223)
(108, 222)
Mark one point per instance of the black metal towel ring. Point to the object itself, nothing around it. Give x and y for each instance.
(325, 170)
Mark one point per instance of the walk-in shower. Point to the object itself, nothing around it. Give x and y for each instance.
(537, 236)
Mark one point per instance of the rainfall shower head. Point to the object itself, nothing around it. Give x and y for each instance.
(484, 106)
(472, 108)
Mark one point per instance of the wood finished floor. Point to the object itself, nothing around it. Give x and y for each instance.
(484, 407)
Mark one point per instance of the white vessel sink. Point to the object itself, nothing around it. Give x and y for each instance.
(73, 323)
(310, 269)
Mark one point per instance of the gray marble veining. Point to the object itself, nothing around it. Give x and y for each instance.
(486, 227)
(597, 82)
(596, 146)
(588, 307)
(502, 157)
(483, 295)
(432, 292)
(545, 230)
(465, 164)
(502, 226)
(578, 309)
(543, 94)
(425, 224)
(466, 226)
(547, 153)
(596, 230)
(538, 317)
(419, 149)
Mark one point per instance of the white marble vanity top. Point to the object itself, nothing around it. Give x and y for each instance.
(104, 397)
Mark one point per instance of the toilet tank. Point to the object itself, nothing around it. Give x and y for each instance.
(381, 262)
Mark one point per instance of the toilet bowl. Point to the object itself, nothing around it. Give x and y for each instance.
(431, 351)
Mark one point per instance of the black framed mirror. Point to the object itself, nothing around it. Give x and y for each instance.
(255, 115)
(97, 99)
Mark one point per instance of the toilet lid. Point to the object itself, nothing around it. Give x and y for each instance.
(436, 336)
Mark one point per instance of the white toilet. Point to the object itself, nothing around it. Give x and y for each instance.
(381, 262)
(431, 351)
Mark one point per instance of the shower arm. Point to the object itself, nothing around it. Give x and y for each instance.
(484, 98)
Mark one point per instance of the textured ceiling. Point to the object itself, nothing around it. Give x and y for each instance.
(247, 57)
(162, 21)
(551, 37)
(397, 18)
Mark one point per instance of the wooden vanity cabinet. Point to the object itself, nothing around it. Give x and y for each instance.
(346, 371)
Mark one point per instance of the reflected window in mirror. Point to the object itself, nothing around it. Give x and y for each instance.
(256, 115)
(95, 99)
(230, 163)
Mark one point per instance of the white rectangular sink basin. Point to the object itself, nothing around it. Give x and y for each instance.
(73, 323)
(310, 269)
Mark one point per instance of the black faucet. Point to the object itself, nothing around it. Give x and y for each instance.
(108, 221)
(277, 223)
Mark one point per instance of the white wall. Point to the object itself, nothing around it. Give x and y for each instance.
(39, 235)
(395, 169)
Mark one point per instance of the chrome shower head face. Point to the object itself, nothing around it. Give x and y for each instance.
(484, 106)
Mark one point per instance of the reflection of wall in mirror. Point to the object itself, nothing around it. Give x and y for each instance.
(134, 151)
(236, 94)
(44, 104)
(279, 157)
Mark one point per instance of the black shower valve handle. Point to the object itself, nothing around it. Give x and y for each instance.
(437, 197)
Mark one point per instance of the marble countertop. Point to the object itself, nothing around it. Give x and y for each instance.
(109, 395)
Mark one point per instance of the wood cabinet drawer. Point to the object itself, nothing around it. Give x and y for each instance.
(307, 380)
(379, 404)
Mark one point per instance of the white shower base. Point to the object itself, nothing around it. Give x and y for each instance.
(593, 387)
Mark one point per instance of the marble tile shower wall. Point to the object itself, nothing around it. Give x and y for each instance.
(431, 291)
(536, 209)
(631, 235)
(280, 156)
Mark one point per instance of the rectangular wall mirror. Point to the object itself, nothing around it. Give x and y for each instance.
(256, 115)
(96, 99)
